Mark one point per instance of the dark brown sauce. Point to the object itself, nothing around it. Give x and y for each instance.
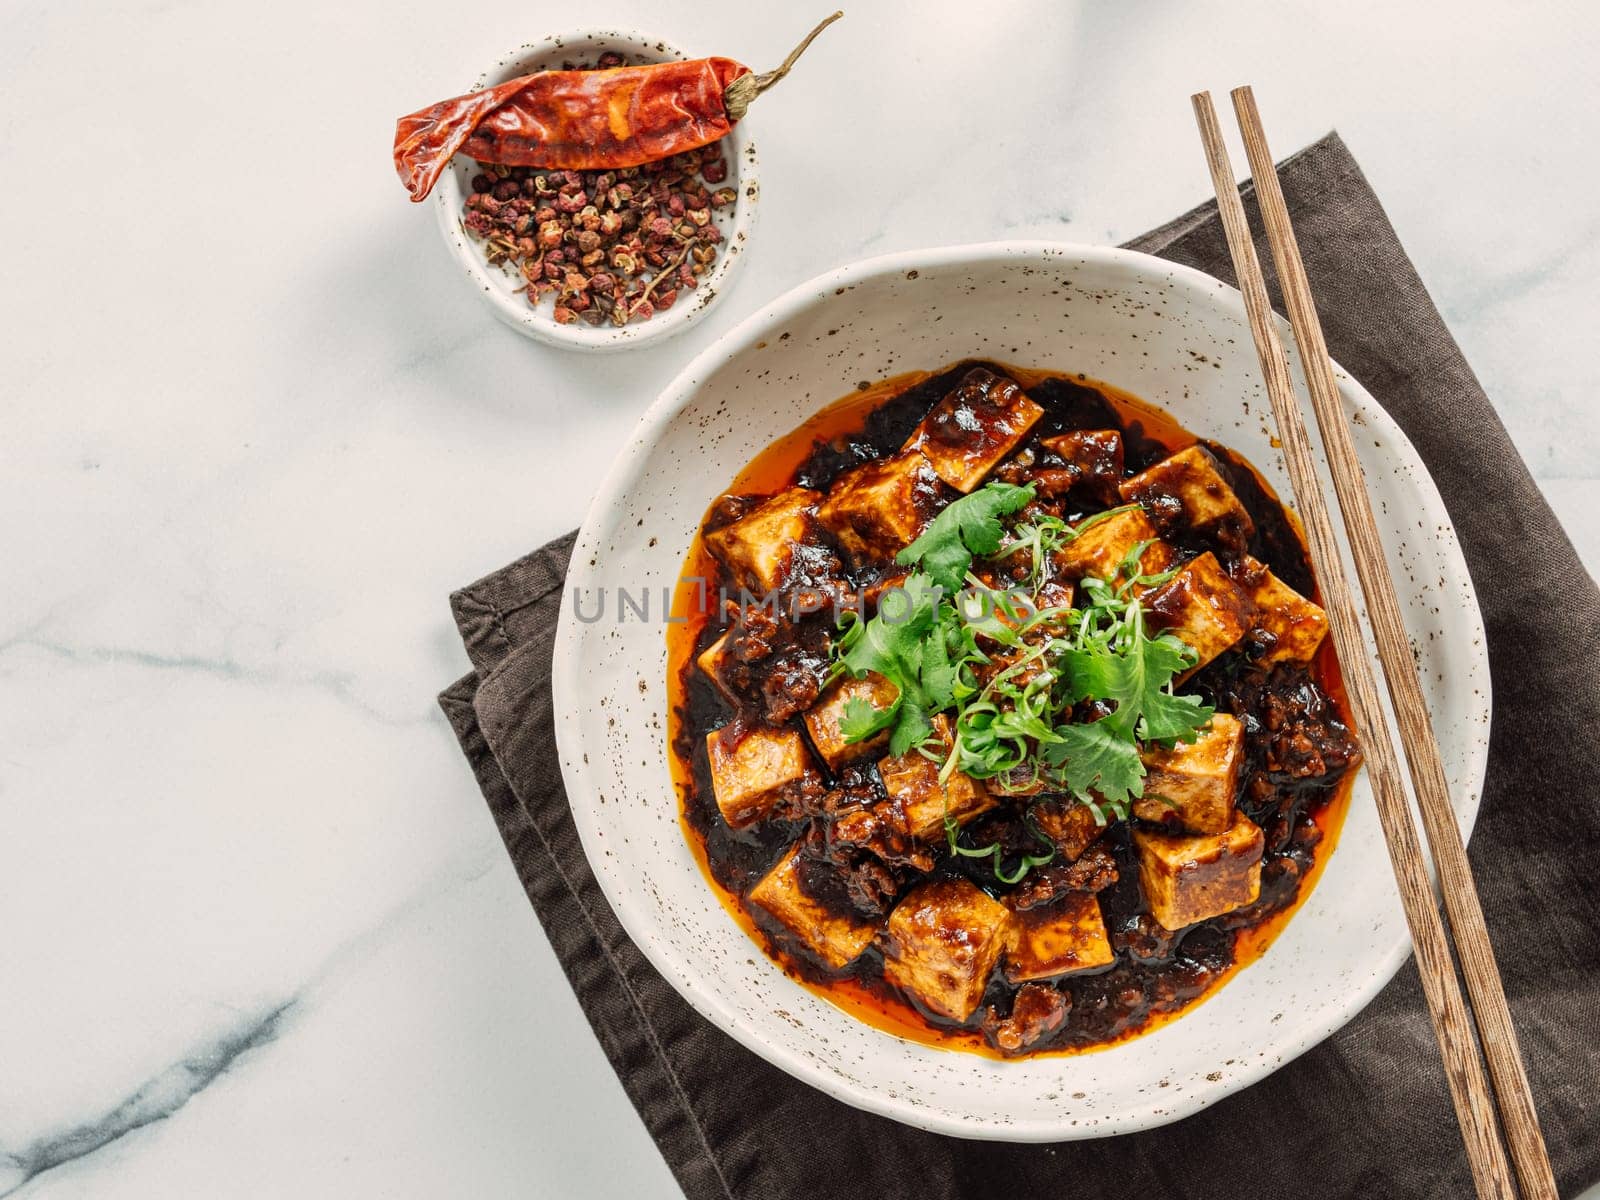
(1142, 989)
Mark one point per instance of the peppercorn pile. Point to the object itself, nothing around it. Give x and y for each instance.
(611, 246)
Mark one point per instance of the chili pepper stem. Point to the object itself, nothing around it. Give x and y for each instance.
(739, 94)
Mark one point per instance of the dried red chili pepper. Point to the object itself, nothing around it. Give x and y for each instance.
(584, 120)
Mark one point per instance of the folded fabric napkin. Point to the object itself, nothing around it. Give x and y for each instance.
(1366, 1113)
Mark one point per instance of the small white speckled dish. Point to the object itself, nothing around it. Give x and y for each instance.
(1169, 335)
(498, 287)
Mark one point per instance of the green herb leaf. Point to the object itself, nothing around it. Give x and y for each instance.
(908, 643)
(911, 729)
(940, 672)
(860, 720)
(1098, 757)
(1117, 661)
(966, 527)
(1163, 716)
(891, 642)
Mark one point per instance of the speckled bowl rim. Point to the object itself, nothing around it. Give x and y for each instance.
(745, 170)
(567, 675)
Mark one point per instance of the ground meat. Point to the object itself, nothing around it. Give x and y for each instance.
(1103, 1006)
(1004, 827)
(861, 885)
(1094, 871)
(1305, 837)
(1040, 888)
(1280, 881)
(1291, 726)
(1143, 939)
(1287, 829)
(1260, 799)
(1209, 950)
(1095, 456)
(851, 792)
(871, 886)
(1180, 983)
(754, 631)
(1014, 835)
(870, 861)
(1056, 481)
(839, 876)
(1165, 510)
(1280, 884)
(1018, 469)
(852, 825)
(798, 799)
(1037, 1011)
(792, 685)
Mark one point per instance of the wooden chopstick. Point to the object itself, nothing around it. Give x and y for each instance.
(1464, 1072)
(1484, 988)
(1405, 692)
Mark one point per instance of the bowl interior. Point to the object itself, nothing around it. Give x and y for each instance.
(500, 288)
(1172, 337)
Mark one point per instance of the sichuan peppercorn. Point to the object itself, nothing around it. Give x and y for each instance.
(622, 257)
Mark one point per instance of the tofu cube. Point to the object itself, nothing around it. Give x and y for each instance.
(1203, 606)
(1193, 877)
(1094, 456)
(836, 938)
(1187, 490)
(755, 770)
(1193, 784)
(822, 721)
(1060, 938)
(759, 548)
(1072, 826)
(1098, 551)
(877, 509)
(716, 662)
(972, 430)
(1296, 626)
(944, 940)
(918, 802)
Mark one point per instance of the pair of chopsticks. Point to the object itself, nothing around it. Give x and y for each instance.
(1475, 1103)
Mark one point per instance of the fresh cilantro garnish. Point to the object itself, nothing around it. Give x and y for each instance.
(1112, 658)
(965, 528)
(1014, 675)
(859, 720)
(908, 643)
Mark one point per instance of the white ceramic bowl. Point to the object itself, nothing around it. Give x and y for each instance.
(1166, 333)
(498, 287)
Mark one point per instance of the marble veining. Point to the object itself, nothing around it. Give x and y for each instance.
(155, 1100)
(260, 937)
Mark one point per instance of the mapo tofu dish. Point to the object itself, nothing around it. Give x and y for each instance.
(1002, 711)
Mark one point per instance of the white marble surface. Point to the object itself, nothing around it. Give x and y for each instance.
(259, 935)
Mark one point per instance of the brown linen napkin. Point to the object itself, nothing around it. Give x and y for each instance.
(1365, 1113)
